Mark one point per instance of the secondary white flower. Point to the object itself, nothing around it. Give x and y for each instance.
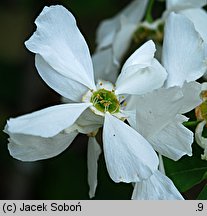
(64, 63)
(201, 114)
(114, 37)
(159, 113)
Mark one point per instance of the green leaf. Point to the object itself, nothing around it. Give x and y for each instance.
(203, 194)
(188, 171)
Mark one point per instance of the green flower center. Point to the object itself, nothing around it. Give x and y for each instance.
(105, 101)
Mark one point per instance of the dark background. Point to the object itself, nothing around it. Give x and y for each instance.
(22, 91)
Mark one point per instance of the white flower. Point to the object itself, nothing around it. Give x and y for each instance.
(64, 63)
(114, 37)
(159, 113)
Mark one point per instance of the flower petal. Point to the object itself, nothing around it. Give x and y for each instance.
(88, 122)
(201, 141)
(174, 140)
(185, 3)
(60, 43)
(141, 73)
(199, 17)
(142, 58)
(191, 96)
(183, 51)
(129, 157)
(47, 122)
(156, 187)
(32, 148)
(66, 87)
(156, 109)
(123, 38)
(94, 152)
(104, 67)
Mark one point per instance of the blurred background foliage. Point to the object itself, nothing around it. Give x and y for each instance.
(23, 91)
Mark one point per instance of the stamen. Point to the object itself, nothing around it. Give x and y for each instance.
(105, 101)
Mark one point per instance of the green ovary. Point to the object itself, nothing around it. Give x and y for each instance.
(105, 101)
(203, 108)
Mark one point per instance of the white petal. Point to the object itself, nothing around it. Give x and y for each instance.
(183, 51)
(66, 87)
(185, 3)
(104, 67)
(102, 84)
(191, 96)
(157, 187)
(129, 157)
(60, 43)
(202, 141)
(174, 140)
(156, 109)
(131, 117)
(31, 148)
(122, 39)
(142, 57)
(94, 151)
(88, 122)
(161, 167)
(107, 30)
(47, 122)
(199, 18)
(141, 73)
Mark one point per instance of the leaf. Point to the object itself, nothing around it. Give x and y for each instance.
(203, 194)
(188, 171)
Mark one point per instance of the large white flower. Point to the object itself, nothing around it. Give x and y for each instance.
(64, 63)
(158, 115)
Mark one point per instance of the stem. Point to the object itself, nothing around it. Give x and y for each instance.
(148, 16)
(191, 123)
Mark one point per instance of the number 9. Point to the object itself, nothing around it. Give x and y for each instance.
(200, 206)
